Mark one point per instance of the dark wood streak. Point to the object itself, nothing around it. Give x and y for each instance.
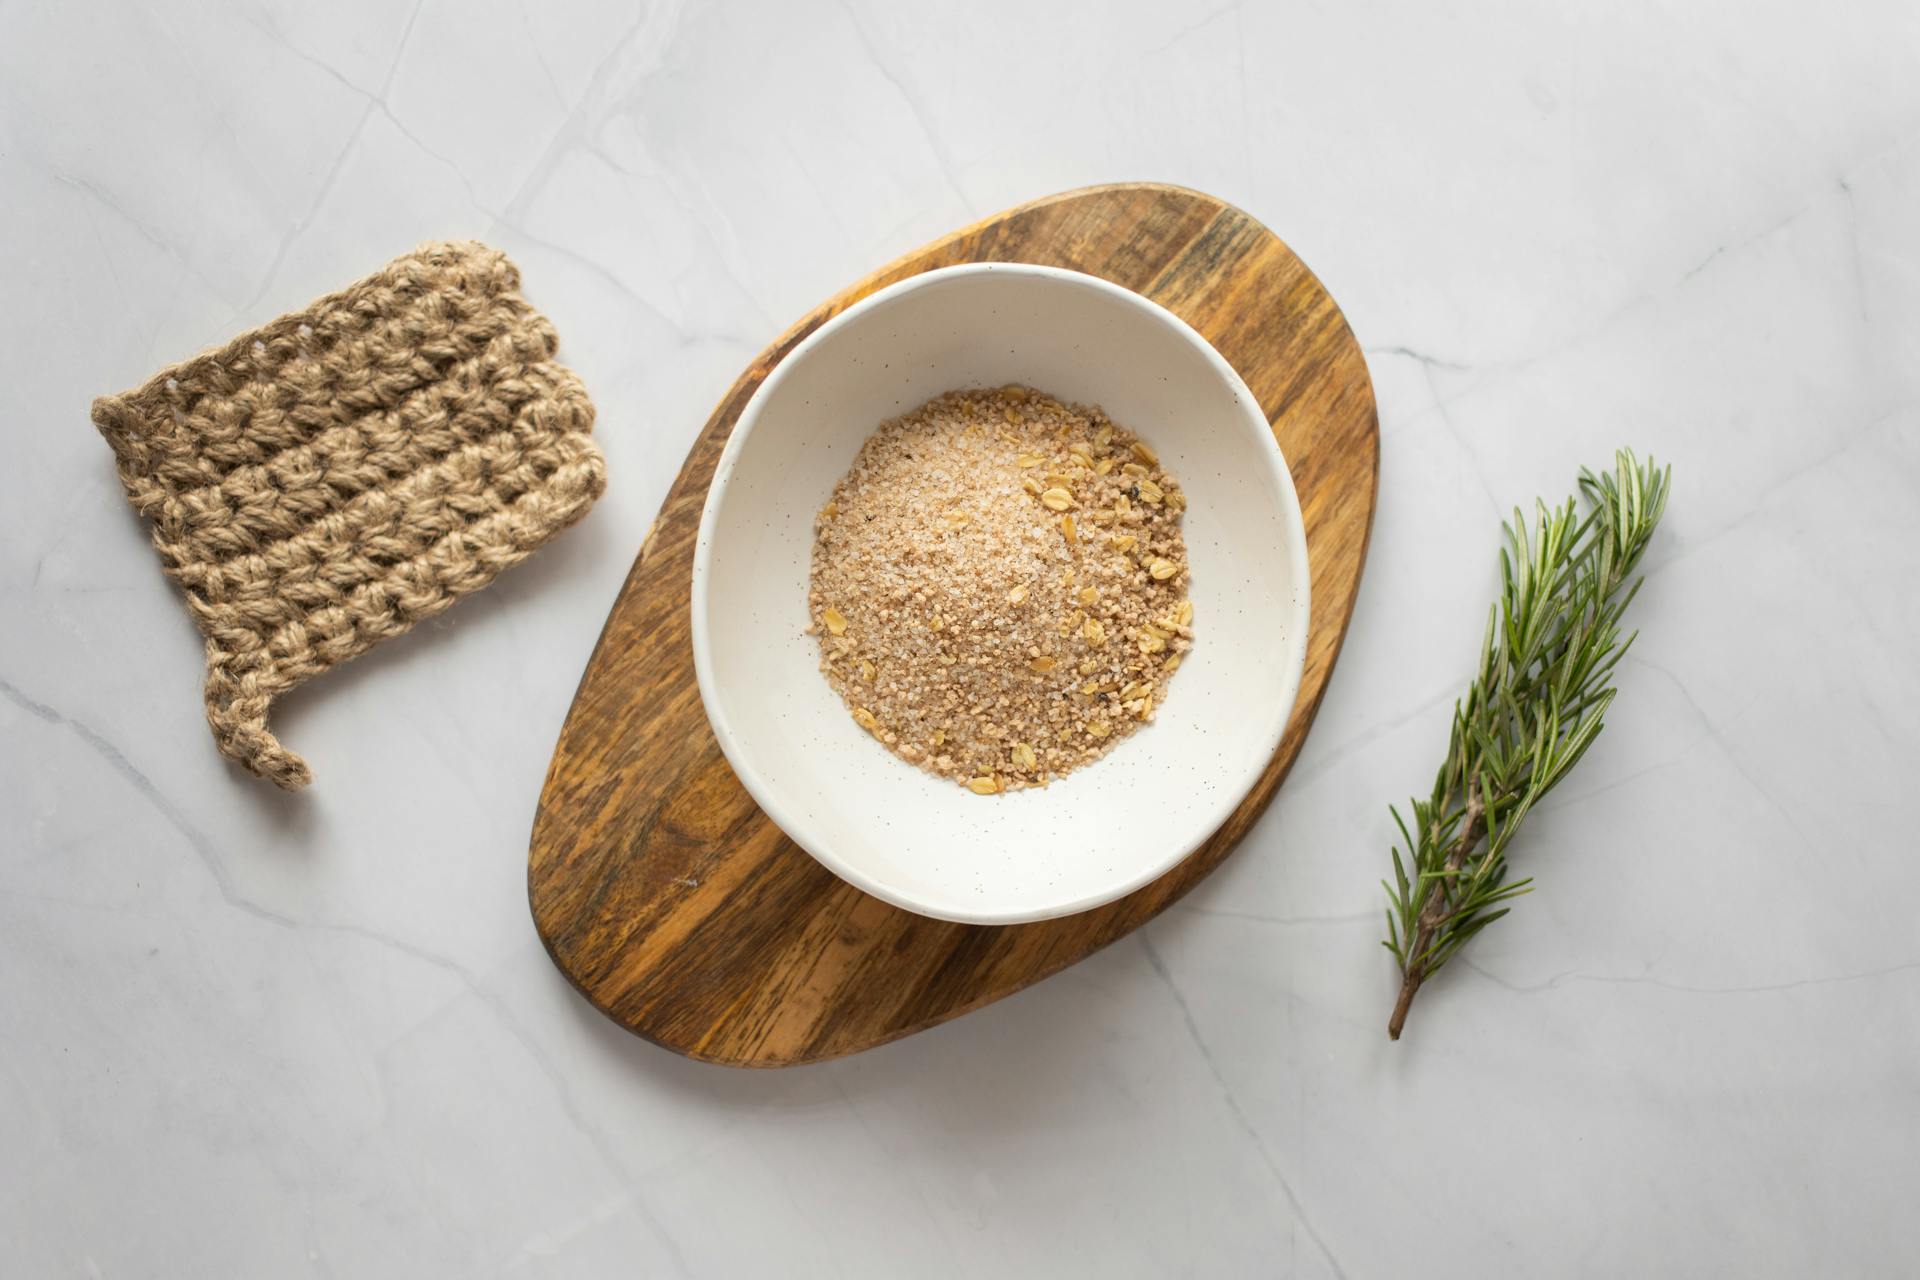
(668, 899)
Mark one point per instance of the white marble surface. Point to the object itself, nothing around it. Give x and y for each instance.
(243, 1034)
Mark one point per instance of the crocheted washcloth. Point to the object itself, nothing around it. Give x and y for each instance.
(323, 483)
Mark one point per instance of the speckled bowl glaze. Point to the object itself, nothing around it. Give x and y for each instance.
(917, 841)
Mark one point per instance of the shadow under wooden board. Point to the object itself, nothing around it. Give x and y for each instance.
(681, 912)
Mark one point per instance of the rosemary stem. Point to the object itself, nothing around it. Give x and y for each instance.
(1434, 914)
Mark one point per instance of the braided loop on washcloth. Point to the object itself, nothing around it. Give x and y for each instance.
(325, 482)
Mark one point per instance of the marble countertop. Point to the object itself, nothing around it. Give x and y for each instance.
(249, 1034)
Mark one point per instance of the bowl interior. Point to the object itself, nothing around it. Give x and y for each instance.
(903, 835)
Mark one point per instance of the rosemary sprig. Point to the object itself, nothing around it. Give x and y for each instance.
(1535, 706)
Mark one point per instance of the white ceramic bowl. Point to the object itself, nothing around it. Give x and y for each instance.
(898, 833)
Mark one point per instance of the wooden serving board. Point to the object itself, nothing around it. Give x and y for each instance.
(683, 913)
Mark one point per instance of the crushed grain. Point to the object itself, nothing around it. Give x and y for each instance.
(961, 615)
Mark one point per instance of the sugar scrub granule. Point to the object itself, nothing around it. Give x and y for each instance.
(999, 587)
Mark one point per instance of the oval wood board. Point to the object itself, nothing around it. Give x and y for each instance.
(683, 913)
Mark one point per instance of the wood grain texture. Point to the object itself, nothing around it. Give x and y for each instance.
(682, 913)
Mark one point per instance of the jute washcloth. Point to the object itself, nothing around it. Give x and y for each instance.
(324, 482)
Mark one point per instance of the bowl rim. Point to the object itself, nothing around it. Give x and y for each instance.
(795, 827)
